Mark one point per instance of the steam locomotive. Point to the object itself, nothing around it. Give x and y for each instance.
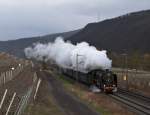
(105, 80)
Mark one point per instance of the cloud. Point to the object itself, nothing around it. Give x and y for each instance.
(24, 18)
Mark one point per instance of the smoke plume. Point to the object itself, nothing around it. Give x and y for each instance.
(81, 57)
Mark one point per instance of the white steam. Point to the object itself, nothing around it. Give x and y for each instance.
(80, 57)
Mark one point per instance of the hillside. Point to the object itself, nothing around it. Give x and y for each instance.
(16, 47)
(128, 32)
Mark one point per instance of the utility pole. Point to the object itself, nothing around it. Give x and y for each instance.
(77, 67)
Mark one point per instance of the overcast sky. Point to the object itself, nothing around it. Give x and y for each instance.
(26, 18)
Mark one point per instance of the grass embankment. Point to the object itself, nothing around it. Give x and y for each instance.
(101, 102)
(44, 103)
(82, 92)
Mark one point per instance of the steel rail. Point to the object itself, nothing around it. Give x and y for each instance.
(131, 100)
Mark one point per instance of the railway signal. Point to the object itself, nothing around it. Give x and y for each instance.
(124, 77)
(125, 70)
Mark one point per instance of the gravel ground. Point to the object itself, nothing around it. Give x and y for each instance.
(66, 102)
(44, 103)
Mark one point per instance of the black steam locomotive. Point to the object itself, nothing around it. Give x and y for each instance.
(105, 80)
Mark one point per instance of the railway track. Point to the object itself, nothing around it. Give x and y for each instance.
(135, 102)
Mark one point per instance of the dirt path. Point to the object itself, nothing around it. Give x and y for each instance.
(68, 103)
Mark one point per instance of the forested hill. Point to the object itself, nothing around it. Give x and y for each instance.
(128, 32)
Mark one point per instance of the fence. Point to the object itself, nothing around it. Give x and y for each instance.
(10, 74)
(23, 102)
(133, 80)
(25, 99)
